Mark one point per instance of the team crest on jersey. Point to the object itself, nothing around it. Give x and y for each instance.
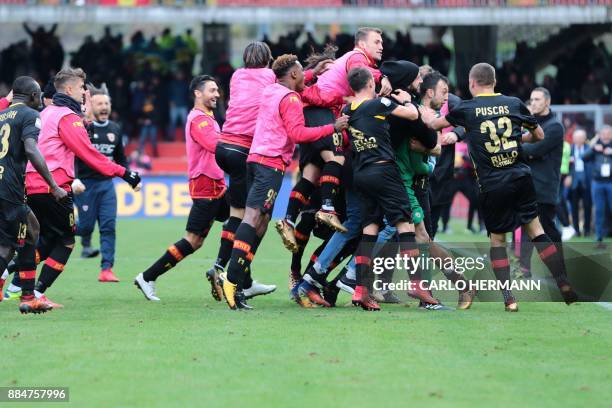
(111, 137)
(85, 208)
(38, 123)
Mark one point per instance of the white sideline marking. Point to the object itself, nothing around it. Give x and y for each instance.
(605, 305)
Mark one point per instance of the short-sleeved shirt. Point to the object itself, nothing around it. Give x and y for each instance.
(106, 138)
(493, 125)
(369, 131)
(17, 123)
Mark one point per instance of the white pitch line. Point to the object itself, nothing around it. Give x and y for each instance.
(605, 305)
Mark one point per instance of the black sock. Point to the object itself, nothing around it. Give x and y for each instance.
(363, 261)
(315, 255)
(27, 268)
(40, 254)
(248, 278)
(13, 266)
(330, 184)
(347, 250)
(408, 247)
(3, 264)
(551, 257)
(227, 241)
(302, 233)
(299, 197)
(173, 255)
(242, 255)
(501, 269)
(54, 265)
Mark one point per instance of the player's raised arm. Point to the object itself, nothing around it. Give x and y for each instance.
(405, 110)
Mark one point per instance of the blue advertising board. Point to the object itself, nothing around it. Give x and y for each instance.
(168, 196)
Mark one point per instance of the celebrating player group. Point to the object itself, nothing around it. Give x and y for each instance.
(373, 139)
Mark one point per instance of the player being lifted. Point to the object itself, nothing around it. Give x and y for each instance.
(323, 160)
(19, 129)
(493, 123)
(280, 125)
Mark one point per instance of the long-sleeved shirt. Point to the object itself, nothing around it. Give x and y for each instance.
(544, 159)
(202, 134)
(291, 114)
(59, 147)
(106, 138)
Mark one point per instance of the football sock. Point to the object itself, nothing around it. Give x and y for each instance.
(14, 266)
(248, 279)
(299, 197)
(27, 268)
(242, 255)
(302, 233)
(551, 257)
(501, 269)
(53, 266)
(330, 184)
(227, 241)
(173, 255)
(3, 265)
(363, 261)
(408, 247)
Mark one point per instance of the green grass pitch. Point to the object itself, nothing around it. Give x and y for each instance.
(114, 348)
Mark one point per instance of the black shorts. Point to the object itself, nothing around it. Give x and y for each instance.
(264, 184)
(13, 224)
(509, 206)
(56, 218)
(232, 160)
(203, 213)
(382, 194)
(310, 153)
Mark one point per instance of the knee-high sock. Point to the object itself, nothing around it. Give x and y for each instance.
(363, 260)
(408, 247)
(173, 255)
(302, 235)
(3, 265)
(40, 254)
(27, 268)
(501, 269)
(227, 241)
(248, 278)
(389, 249)
(330, 184)
(299, 197)
(54, 265)
(242, 255)
(552, 258)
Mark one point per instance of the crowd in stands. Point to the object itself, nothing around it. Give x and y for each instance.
(148, 77)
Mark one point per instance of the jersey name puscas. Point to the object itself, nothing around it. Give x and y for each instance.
(493, 124)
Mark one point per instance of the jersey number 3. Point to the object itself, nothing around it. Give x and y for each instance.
(497, 143)
(5, 132)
